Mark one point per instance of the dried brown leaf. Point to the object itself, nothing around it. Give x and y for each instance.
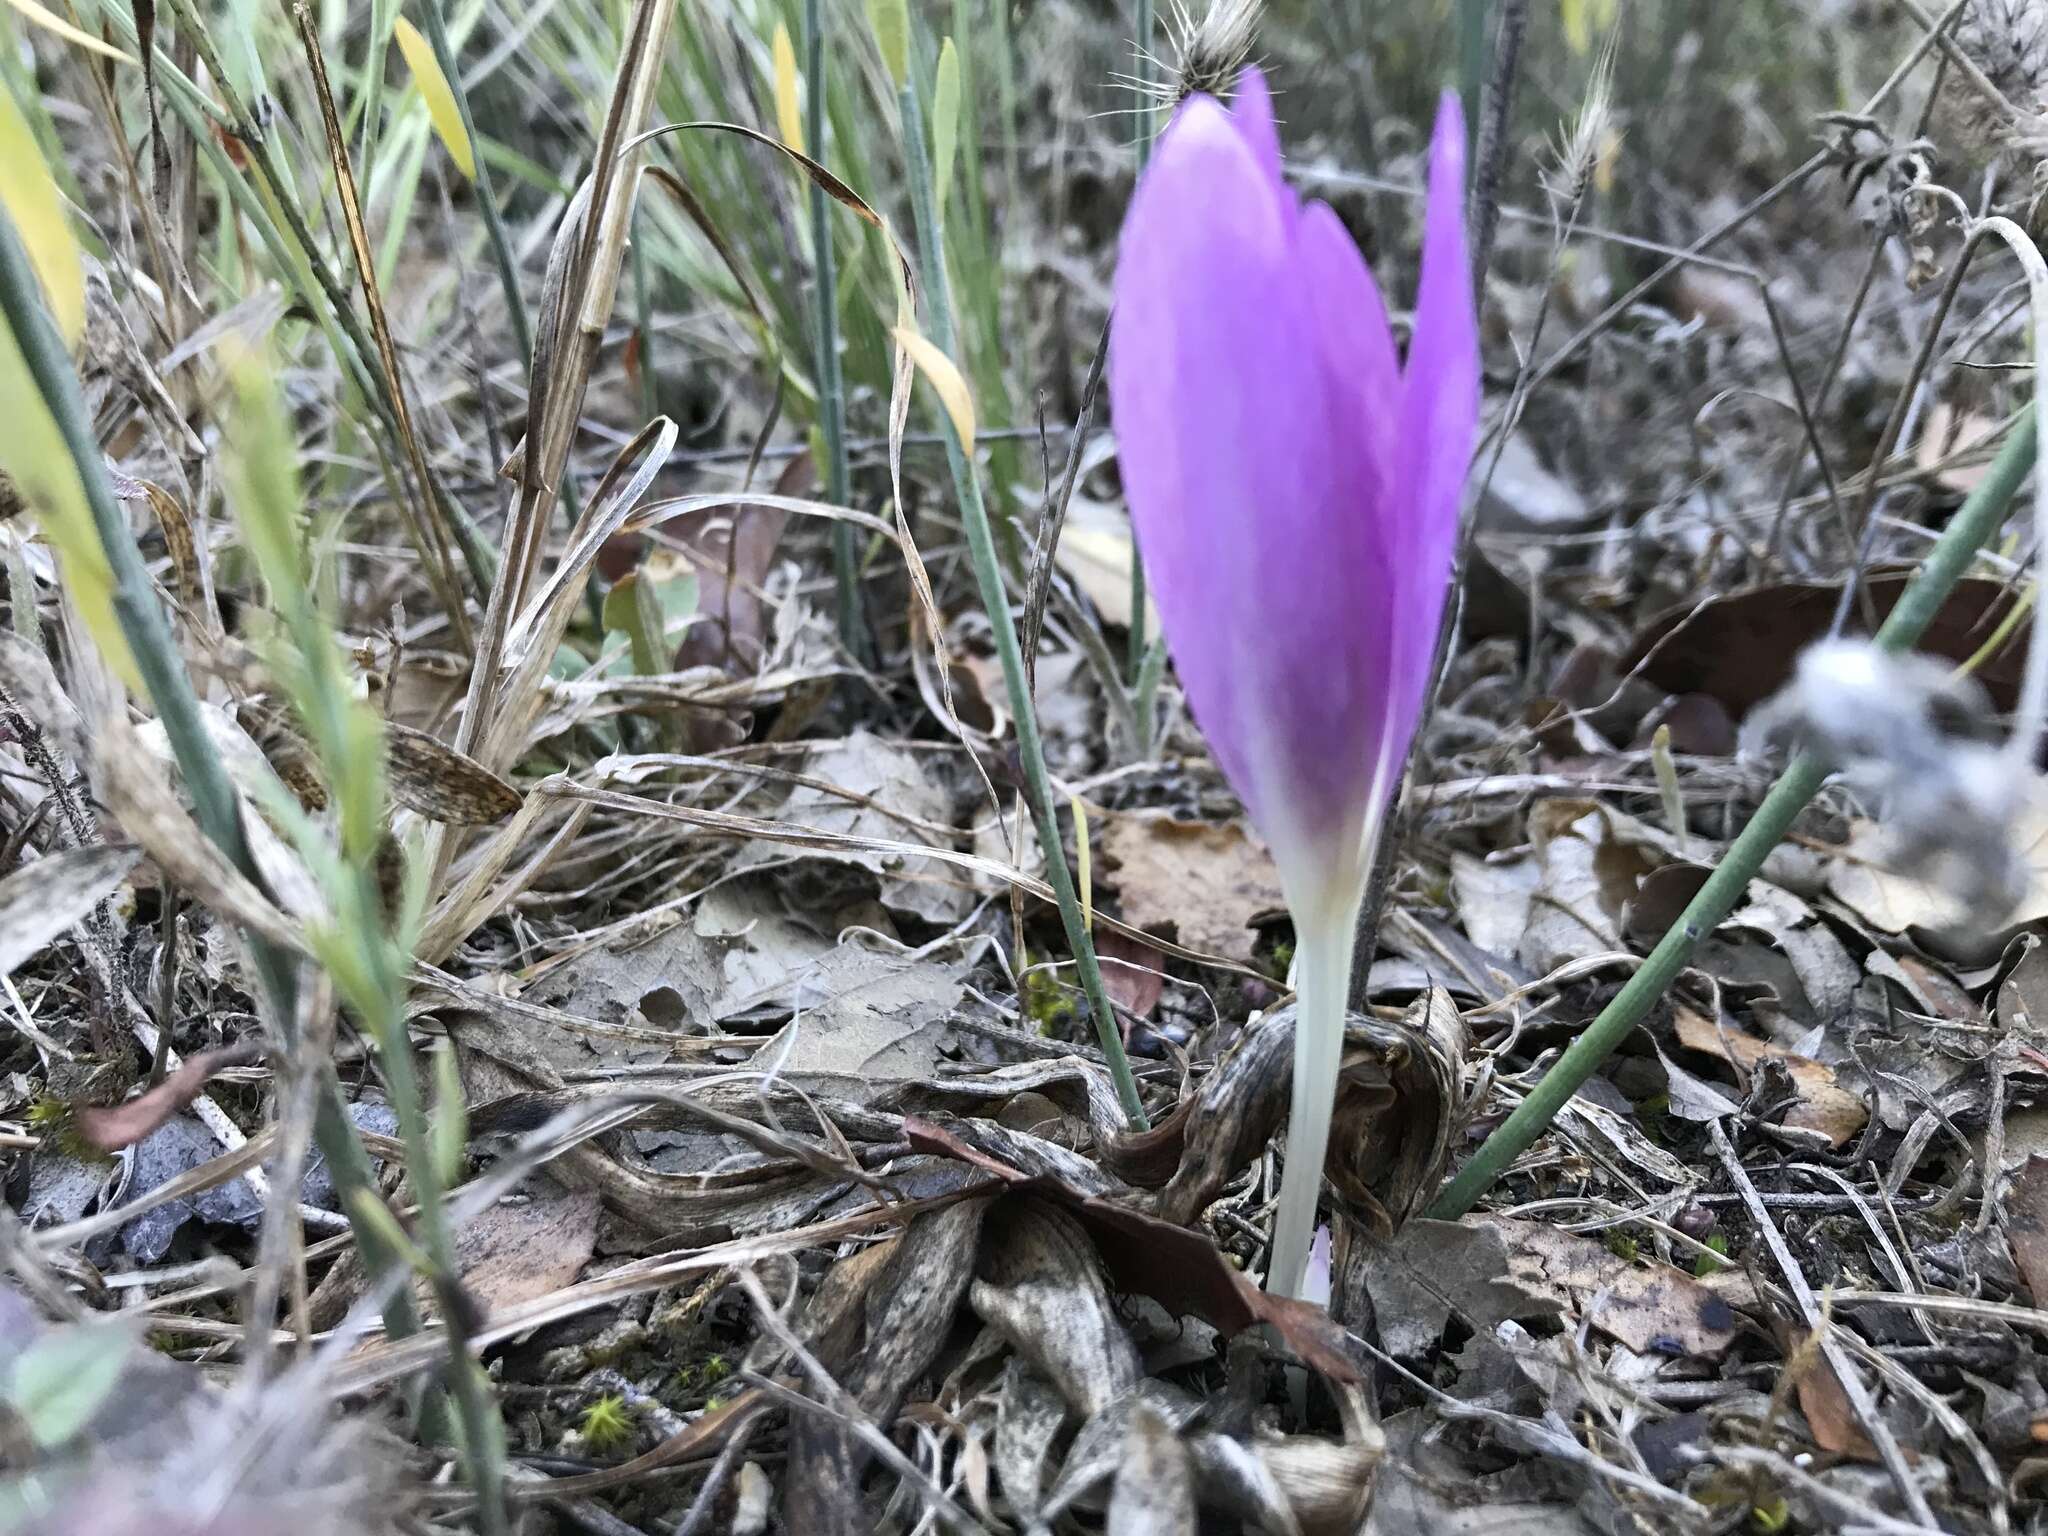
(520, 1249)
(1651, 1307)
(1204, 882)
(434, 779)
(1824, 1105)
(1740, 647)
(1829, 1414)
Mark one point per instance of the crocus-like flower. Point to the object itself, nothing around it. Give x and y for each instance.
(1295, 493)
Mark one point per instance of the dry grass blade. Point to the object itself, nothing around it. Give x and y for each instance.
(43, 899)
(530, 640)
(576, 301)
(925, 612)
(477, 895)
(135, 792)
(425, 522)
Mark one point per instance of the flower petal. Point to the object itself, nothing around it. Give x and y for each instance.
(1439, 419)
(1252, 111)
(1249, 494)
(1357, 343)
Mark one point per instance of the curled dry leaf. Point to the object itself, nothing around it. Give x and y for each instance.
(1327, 1484)
(1823, 1104)
(41, 901)
(1042, 1289)
(1400, 1102)
(1181, 1269)
(877, 1333)
(1154, 1491)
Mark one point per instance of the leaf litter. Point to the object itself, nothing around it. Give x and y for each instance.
(783, 1121)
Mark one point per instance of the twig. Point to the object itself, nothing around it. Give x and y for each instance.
(1490, 155)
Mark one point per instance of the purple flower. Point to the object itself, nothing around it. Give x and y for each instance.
(1295, 494)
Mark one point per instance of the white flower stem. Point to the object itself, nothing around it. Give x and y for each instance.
(1322, 967)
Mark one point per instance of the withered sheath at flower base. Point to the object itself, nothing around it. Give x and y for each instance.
(1295, 494)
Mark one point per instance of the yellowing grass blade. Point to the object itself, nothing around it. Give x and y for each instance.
(50, 22)
(440, 99)
(944, 378)
(32, 451)
(1082, 861)
(789, 115)
(29, 195)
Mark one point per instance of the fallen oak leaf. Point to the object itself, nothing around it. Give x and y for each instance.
(1181, 1269)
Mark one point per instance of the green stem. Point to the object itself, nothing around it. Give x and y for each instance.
(486, 195)
(170, 690)
(831, 384)
(1322, 958)
(482, 1432)
(1978, 519)
(1472, 19)
(988, 575)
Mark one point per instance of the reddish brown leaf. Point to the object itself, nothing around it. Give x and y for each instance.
(1133, 974)
(1824, 1403)
(122, 1125)
(1739, 649)
(2026, 1225)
